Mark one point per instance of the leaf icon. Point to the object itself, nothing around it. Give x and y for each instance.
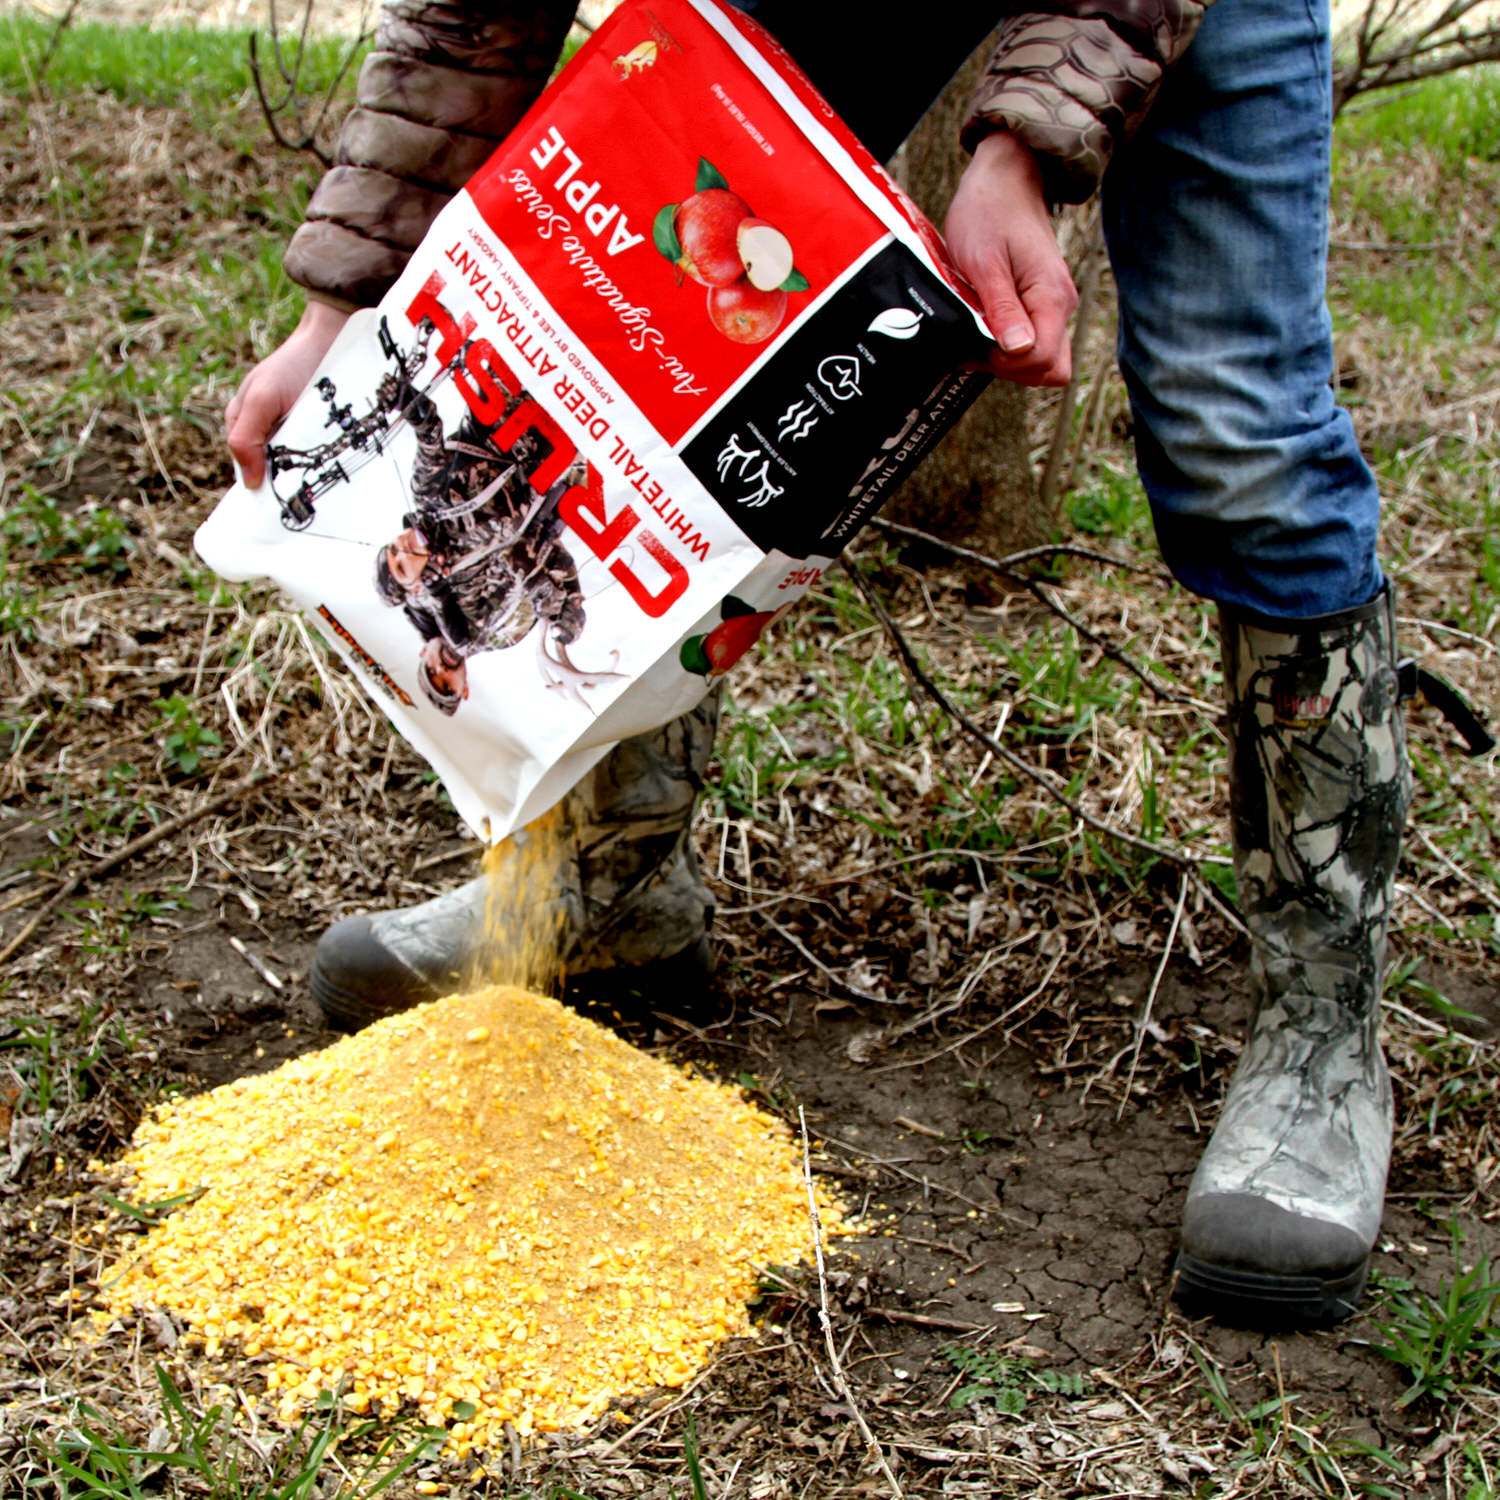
(897, 323)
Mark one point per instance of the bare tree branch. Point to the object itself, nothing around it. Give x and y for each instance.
(290, 102)
(1005, 568)
(126, 852)
(54, 41)
(1395, 43)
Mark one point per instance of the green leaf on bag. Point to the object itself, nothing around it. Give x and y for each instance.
(734, 606)
(709, 176)
(796, 282)
(664, 233)
(693, 657)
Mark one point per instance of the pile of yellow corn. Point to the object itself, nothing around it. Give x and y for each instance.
(488, 1206)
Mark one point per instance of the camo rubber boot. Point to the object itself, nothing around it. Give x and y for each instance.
(627, 899)
(1285, 1206)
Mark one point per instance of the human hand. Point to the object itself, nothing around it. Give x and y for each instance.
(266, 394)
(1000, 236)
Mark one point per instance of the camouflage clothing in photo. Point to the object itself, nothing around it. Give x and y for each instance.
(1074, 80)
(447, 81)
(498, 565)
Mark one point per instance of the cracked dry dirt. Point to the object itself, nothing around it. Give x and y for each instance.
(1004, 1192)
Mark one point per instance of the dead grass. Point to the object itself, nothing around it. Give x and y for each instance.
(868, 857)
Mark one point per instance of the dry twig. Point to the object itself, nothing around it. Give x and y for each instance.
(840, 1379)
(102, 867)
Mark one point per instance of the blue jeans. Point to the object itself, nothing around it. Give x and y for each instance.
(1216, 215)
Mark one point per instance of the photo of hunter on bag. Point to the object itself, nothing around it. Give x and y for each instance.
(644, 392)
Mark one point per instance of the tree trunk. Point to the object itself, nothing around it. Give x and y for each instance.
(978, 487)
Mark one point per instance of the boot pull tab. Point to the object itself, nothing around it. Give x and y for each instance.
(1418, 682)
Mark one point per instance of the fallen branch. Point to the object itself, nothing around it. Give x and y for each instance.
(1145, 1021)
(1005, 567)
(101, 867)
(921, 1320)
(1161, 694)
(1185, 862)
(817, 963)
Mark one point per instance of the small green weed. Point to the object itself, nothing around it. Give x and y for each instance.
(54, 1067)
(1449, 1345)
(92, 537)
(770, 1094)
(97, 1462)
(20, 607)
(1277, 1436)
(110, 926)
(1004, 1380)
(691, 1459)
(1112, 504)
(1478, 1475)
(187, 743)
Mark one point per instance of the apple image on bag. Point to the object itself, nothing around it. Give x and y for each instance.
(744, 313)
(707, 226)
(713, 654)
(765, 252)
(745, 262)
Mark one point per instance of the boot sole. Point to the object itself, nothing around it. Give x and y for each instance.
(690, 969)
(1259, 1299)
(344, 1010)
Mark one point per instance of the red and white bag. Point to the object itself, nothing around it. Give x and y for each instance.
(642, 380)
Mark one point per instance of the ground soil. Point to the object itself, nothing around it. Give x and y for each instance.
(1011, 1187)
(1020, 1143)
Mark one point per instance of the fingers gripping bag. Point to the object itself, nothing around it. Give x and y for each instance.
(639, 384)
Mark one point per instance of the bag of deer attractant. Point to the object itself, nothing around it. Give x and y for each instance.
(641, 381)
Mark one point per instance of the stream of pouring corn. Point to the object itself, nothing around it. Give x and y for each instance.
(489, 1206)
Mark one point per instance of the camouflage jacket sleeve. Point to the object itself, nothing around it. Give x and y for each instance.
(1073, 80)
(446, 81)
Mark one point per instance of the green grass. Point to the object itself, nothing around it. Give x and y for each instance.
(1111, 505)
(1443, 283)
(203, 1453)
(1457, 116)
(199, 67)
(1448, 1345)
(192, 307)
(57, 1067)
(1274, 1435)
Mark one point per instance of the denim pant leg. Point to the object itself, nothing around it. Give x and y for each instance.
(1216, 218)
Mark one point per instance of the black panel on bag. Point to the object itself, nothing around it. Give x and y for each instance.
(827, 428)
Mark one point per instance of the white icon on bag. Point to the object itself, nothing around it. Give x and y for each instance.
(762, 491)
(840, 374)
(897, 323)
(797, 421)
